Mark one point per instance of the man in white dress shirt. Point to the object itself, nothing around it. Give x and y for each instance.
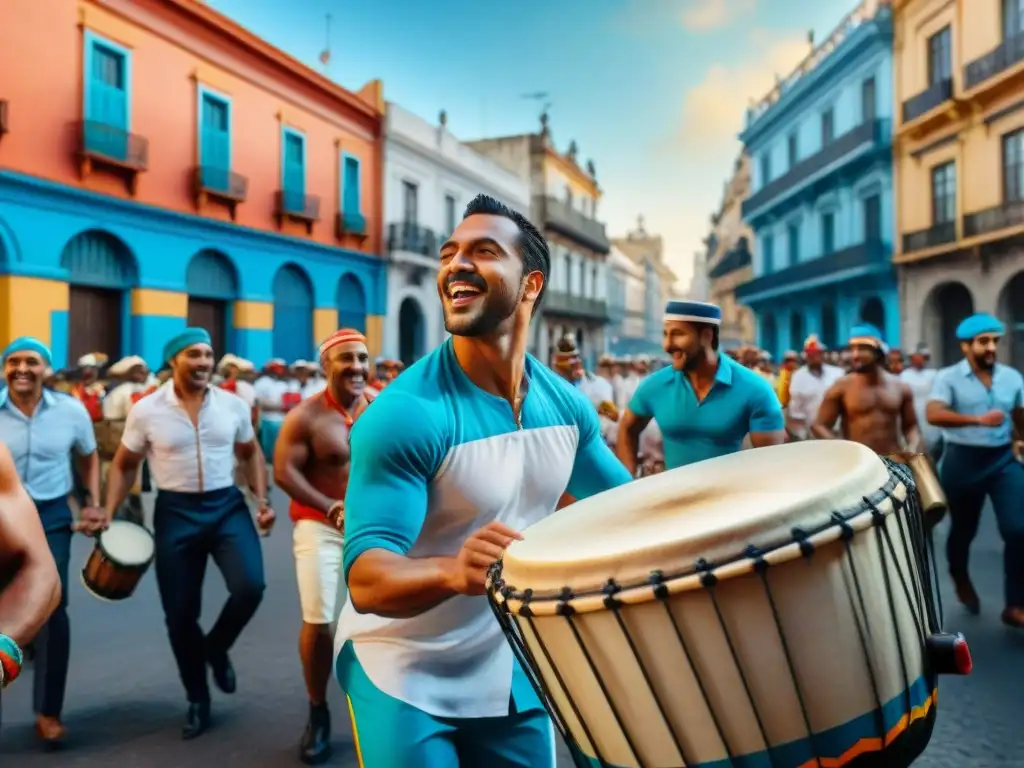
(136, 383)
(191, 432)
(807, 388)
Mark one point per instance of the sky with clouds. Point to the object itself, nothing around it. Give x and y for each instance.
(654, 91)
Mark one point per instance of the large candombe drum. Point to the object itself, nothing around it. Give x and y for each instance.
(770, 608)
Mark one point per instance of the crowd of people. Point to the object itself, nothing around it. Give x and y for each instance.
(405, 487)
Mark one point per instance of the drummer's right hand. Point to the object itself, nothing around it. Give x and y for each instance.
(479, 552)
(91, 521)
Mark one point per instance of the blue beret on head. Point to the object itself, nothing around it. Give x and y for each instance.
(976, 325)
(693, 312)
(29, 344)
(868, 335)
(186, 339)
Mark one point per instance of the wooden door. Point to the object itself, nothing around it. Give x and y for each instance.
(209, 314)
(94, 322)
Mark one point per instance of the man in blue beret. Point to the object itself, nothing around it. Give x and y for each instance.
(876, 408)
(705, 403)
(43, 431)
(977, 403)
(191, 433)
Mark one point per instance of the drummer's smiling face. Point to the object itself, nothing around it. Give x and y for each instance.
(193, 367)
(24, 372)
(347, 367)
(481, 279)
(864, 358)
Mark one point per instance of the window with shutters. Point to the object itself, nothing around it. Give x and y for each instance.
(293, 175)
(107, 97)
(215, 140)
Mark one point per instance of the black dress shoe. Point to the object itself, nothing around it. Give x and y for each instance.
(315, 747)
(197, 721)
(223, 671)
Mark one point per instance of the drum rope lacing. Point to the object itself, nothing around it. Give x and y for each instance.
(921, 596)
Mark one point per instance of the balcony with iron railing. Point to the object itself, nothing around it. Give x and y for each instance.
(568, 305)
(1007, 54)
(298, 206)
(865, 134)
(735, 259)
(114, 148)
(927, 100)
(862, 255)
(350, 224)
(412, 238)
(942, 233)
(1006, 215)
(220, 184)
(560, 216)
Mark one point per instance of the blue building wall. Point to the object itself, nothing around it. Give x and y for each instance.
(38, 219)
(857, 281)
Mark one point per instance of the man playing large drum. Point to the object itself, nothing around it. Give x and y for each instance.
(474, 442)
(705, 403)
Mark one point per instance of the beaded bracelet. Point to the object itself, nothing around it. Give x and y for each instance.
(11, 660)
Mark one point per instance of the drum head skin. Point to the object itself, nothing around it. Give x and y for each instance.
(127, 543)
(713, 510)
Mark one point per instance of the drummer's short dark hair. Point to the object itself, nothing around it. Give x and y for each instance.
(533, 248)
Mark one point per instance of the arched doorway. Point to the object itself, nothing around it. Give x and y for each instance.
(768, 336)
(1011, 310)
(796, 330)
(411, 331)
(872, 312)
(829, 326)
(293, 314)
(212, 285)
(351, 303)
(945, 307)
(101, 271)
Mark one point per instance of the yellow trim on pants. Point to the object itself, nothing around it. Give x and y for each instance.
(355, 732)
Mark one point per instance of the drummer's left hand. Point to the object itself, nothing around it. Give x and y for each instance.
(91, 521)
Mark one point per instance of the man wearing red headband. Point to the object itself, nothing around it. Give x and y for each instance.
(311, 465)
(807, 388)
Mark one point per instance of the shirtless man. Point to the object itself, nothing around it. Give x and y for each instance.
(873, 403)
(29, 584)
(311, 465)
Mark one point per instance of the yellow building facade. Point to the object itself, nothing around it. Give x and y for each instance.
(959, 168)
(729, 261)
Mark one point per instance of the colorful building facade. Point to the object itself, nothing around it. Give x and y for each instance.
(960, 168)
(821, 197)
(637, 295)
(162, 166)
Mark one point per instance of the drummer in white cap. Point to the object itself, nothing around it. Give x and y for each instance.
(705, 403)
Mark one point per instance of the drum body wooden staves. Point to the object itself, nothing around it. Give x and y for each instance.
(787, 621)
(119, 560)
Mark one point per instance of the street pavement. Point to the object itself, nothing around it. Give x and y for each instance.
(125, 704)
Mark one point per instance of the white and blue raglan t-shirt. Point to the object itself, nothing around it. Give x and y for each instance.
(433, 459)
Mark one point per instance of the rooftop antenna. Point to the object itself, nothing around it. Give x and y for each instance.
(325, 54)
(541, 97)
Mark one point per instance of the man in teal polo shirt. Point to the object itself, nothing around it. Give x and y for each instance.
(706, 403)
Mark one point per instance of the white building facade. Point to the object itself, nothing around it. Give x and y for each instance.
(429, 177)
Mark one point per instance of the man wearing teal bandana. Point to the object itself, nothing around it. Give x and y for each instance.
(43, 431)
(977, 403)
(872, 403)
(191, 433)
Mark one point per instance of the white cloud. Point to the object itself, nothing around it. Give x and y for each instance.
(702, 15)
(714, 110)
